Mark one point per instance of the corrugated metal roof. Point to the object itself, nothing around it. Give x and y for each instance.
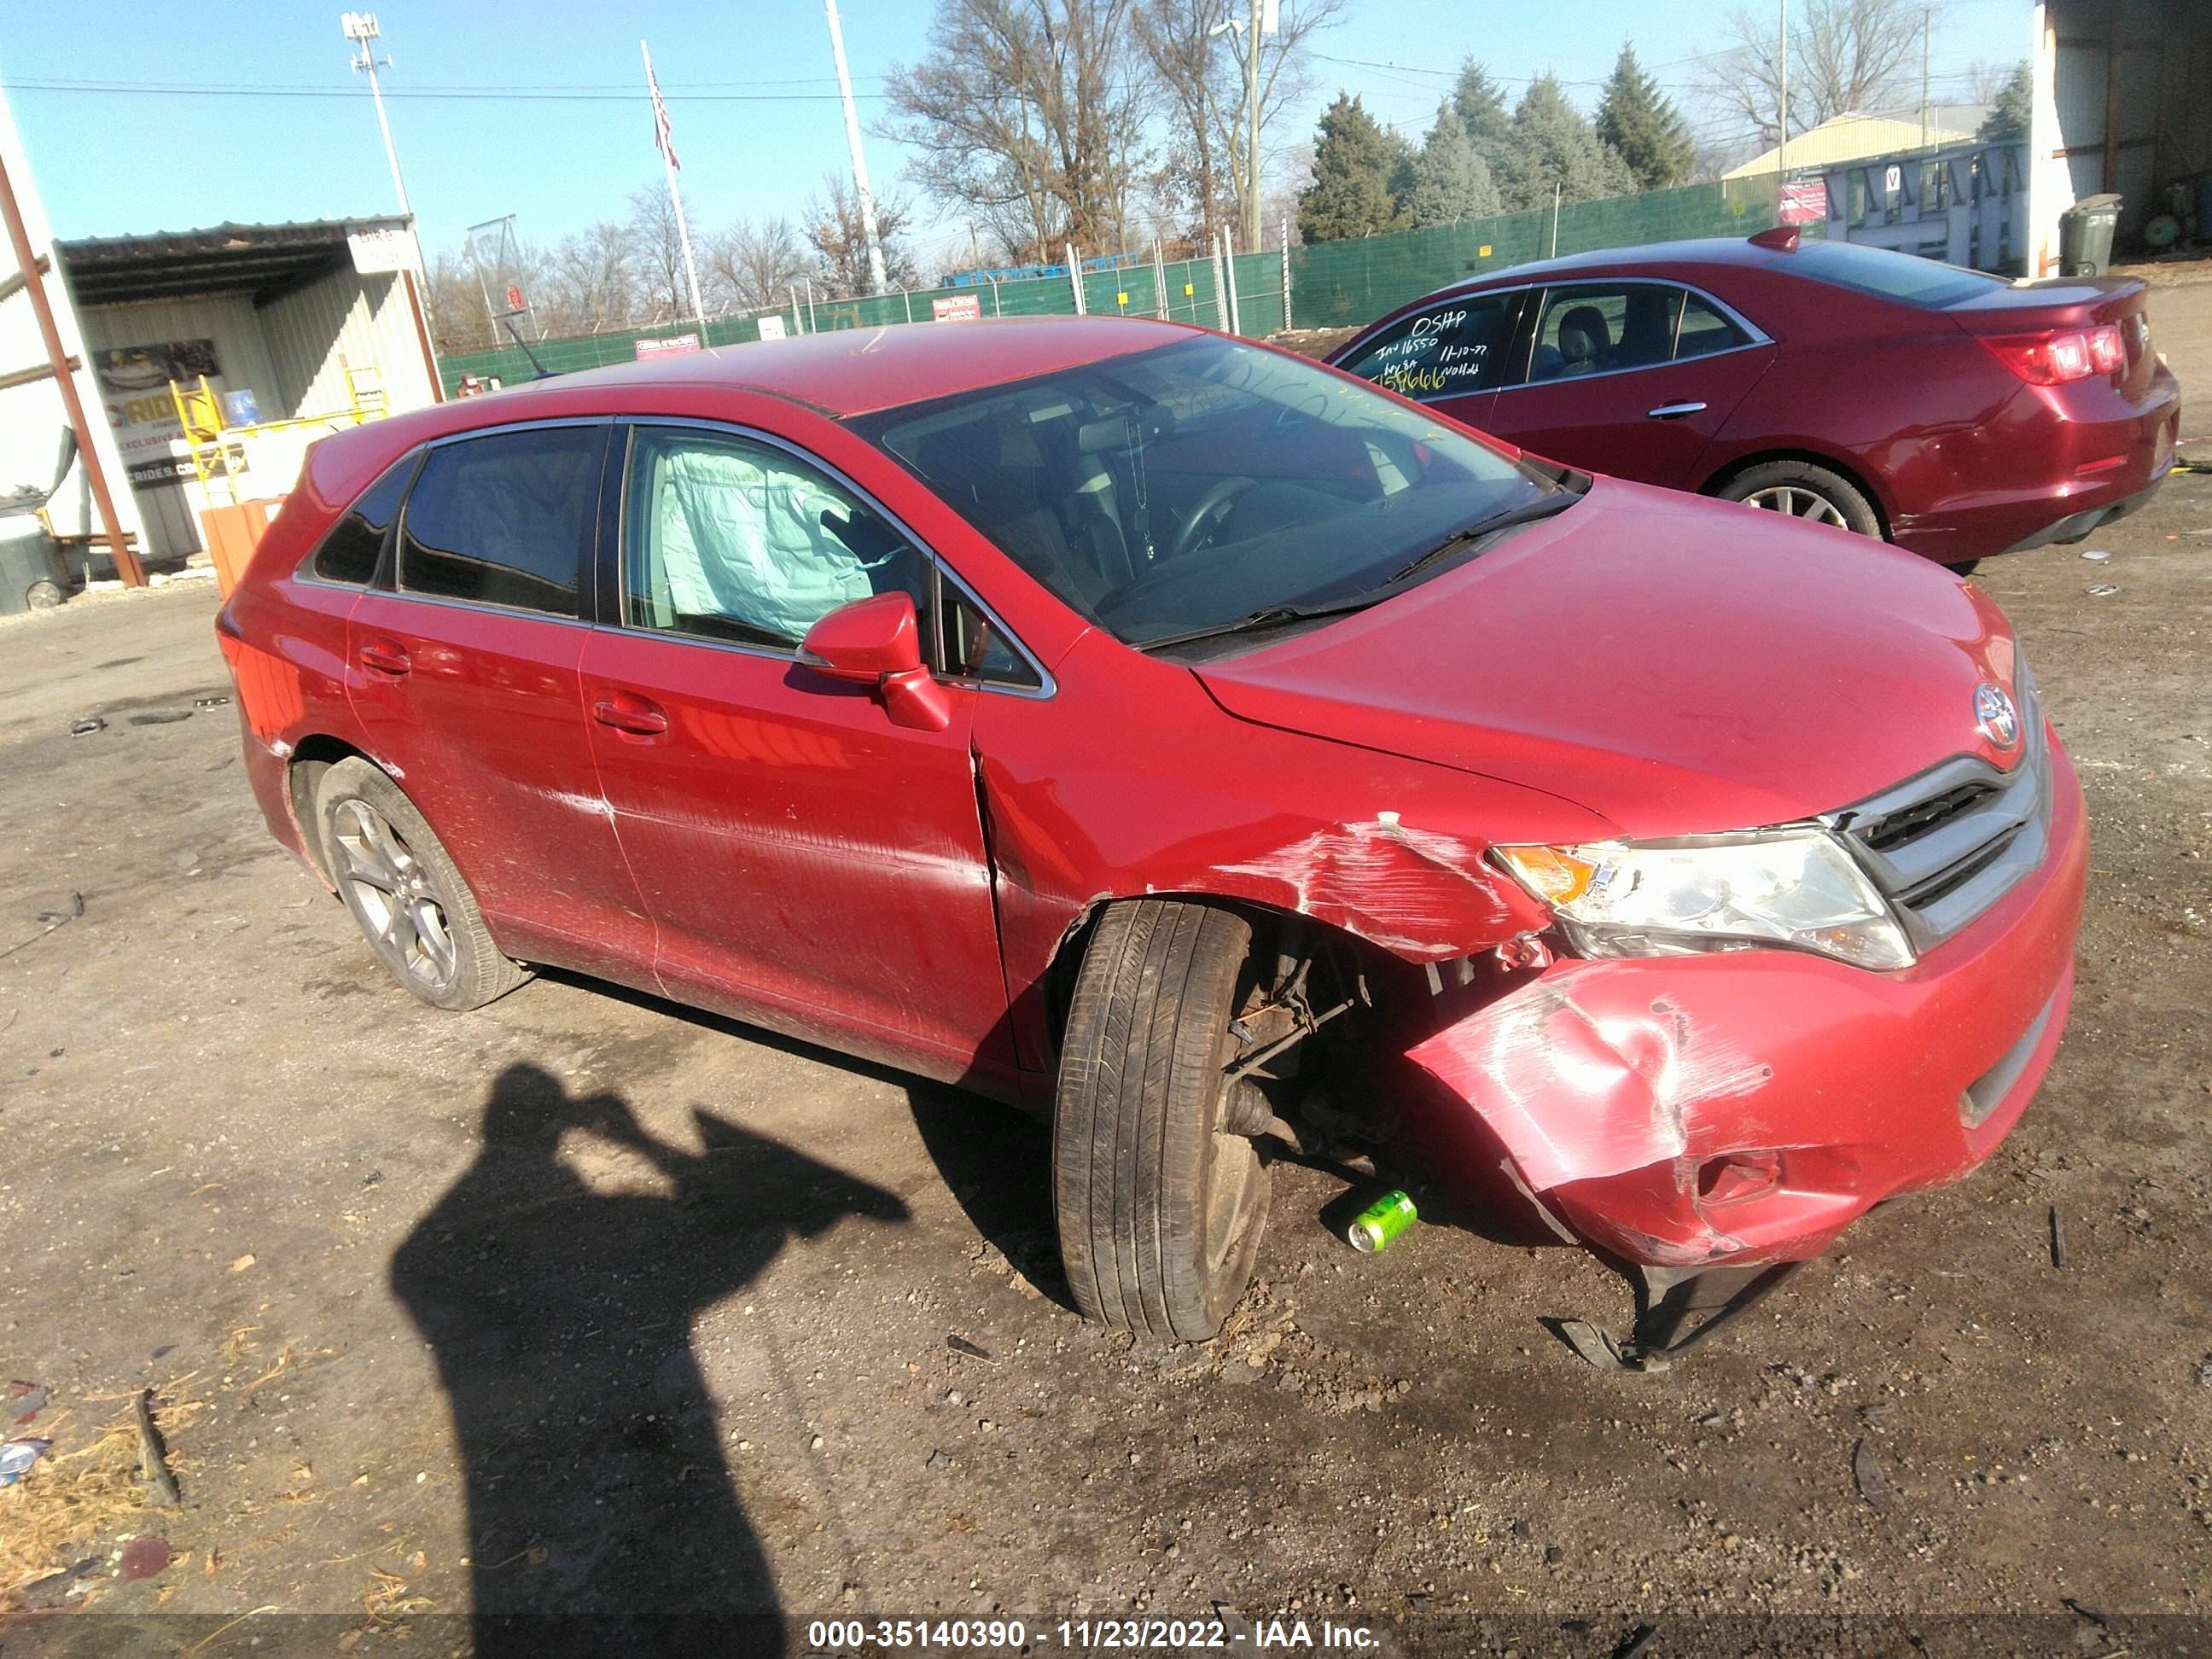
(265, 261)
(1854, 138)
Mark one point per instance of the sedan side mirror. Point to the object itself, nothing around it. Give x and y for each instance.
(877, 642)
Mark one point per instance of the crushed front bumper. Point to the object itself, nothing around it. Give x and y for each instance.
(1690, 1113)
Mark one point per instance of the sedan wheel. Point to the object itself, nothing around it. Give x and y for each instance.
(405, 892)
(1799, 503)
(1804, 491)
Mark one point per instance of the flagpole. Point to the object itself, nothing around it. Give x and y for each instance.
(675, 196)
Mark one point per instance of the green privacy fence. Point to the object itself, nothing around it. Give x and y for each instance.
(1331, 284)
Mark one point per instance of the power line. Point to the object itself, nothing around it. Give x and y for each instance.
(448, 94)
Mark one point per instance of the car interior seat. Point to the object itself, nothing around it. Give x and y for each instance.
(1585, 343)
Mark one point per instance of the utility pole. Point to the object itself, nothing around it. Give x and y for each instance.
(1927, 24)
(1782, 153)
(360, 28)
(1252, 145)
(877, 280)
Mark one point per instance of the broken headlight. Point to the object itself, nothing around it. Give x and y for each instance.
(1792, 887)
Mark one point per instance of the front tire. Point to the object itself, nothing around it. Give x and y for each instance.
(1802, 490)
(405, 892)
(1160, 1209)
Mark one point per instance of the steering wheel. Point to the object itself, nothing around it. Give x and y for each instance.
(1204, 514)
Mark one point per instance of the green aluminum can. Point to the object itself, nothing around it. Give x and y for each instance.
(1381, 1222)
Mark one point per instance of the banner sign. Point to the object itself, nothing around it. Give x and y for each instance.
(1802, 204)
(957, 308)
(384, 247)
(135, 382)
(667, 346)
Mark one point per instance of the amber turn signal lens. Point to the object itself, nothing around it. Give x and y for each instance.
(1553, 875)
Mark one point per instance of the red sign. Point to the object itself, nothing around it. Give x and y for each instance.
(957, 308)
(515, 296)
(668, 345)
(1802, 204)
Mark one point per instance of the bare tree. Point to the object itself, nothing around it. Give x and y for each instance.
(751, 267)
(590, 284)
(656, 251)
(1029, 119)
(1196, 61)
(1844, 56)
(453, 303)
(833, 230)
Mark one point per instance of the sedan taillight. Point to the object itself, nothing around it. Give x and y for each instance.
(2053, 359)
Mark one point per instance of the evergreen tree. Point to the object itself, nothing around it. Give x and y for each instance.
(2009, 116)
(1557, 148)
(1350, 194)
(1481, 105)
(1642, 123)
(1450, 181)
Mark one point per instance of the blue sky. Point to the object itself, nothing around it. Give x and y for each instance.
(751, 96)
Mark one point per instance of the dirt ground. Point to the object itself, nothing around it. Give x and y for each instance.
(585, 1303)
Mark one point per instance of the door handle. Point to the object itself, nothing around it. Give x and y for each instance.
(383, 657)
(626, 711)
(1671, 411)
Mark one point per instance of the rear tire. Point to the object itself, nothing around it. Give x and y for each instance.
(405, 892)
(1160, 1211)
(1805, 491)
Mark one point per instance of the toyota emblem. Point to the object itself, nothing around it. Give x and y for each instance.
(1995, 717)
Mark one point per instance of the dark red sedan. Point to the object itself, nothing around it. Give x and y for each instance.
(1173, 736)
(1951, 412)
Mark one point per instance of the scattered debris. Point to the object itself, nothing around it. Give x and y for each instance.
(76, 909)
(1602, 1350)
(46, 1591)
(242, 1263)
(1869, 1475)
(25, 1401)
(2057, 1238)
(144, 1557)
(16, 1457)
(1640, 1642)
(217, 702)
(1417, 1602)
(2204, 1370)
(2100, 590)
(961, 1344)
(2097, 555)
(2101, 1621)
(938, 1460)
(86, 727)
(153, 1458)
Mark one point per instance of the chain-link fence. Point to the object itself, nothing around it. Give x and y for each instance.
(1327, 285)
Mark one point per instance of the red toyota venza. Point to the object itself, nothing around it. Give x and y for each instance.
(1951, 412)
(1203, 748)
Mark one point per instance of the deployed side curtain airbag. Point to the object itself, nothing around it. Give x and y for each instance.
(740, 538)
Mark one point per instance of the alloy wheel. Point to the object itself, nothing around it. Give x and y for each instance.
(399, 906)
(1798, 502)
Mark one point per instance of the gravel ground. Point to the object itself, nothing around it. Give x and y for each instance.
(588, 1303)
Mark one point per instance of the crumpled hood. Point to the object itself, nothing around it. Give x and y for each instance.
(1678, 666)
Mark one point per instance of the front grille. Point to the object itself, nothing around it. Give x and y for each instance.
(1946, 846)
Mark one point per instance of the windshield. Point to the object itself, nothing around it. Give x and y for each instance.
(1179, 490)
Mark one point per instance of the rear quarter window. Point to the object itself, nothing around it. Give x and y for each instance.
(351, 549)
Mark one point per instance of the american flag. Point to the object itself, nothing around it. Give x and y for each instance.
(660, 134)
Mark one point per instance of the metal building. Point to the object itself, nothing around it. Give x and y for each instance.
(2122, 104)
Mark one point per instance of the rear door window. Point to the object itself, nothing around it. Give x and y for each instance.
(1448, 350)
(1600, 328)
(351, 548)
(504, 519)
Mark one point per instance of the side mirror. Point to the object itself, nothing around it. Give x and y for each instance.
(877, 642)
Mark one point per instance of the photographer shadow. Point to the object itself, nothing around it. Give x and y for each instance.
(559, 1312)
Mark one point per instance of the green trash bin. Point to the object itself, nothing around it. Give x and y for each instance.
(30, 578)
(2084, 236)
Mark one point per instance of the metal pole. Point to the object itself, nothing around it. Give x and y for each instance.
(908, 298)
(675, 200)
(362, 28)
(997, 310)
(1229, 261)
(1557, 189)
(1782, 151)
(1075, 280)
(1220, 302)
(1927, 29)
(878, 282)
(1252, 147)
(1286, 274)
(42, 306)
(798, 322)
(1159, 281)
(813, 325)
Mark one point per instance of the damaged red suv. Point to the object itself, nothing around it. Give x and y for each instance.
(1204, 748)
